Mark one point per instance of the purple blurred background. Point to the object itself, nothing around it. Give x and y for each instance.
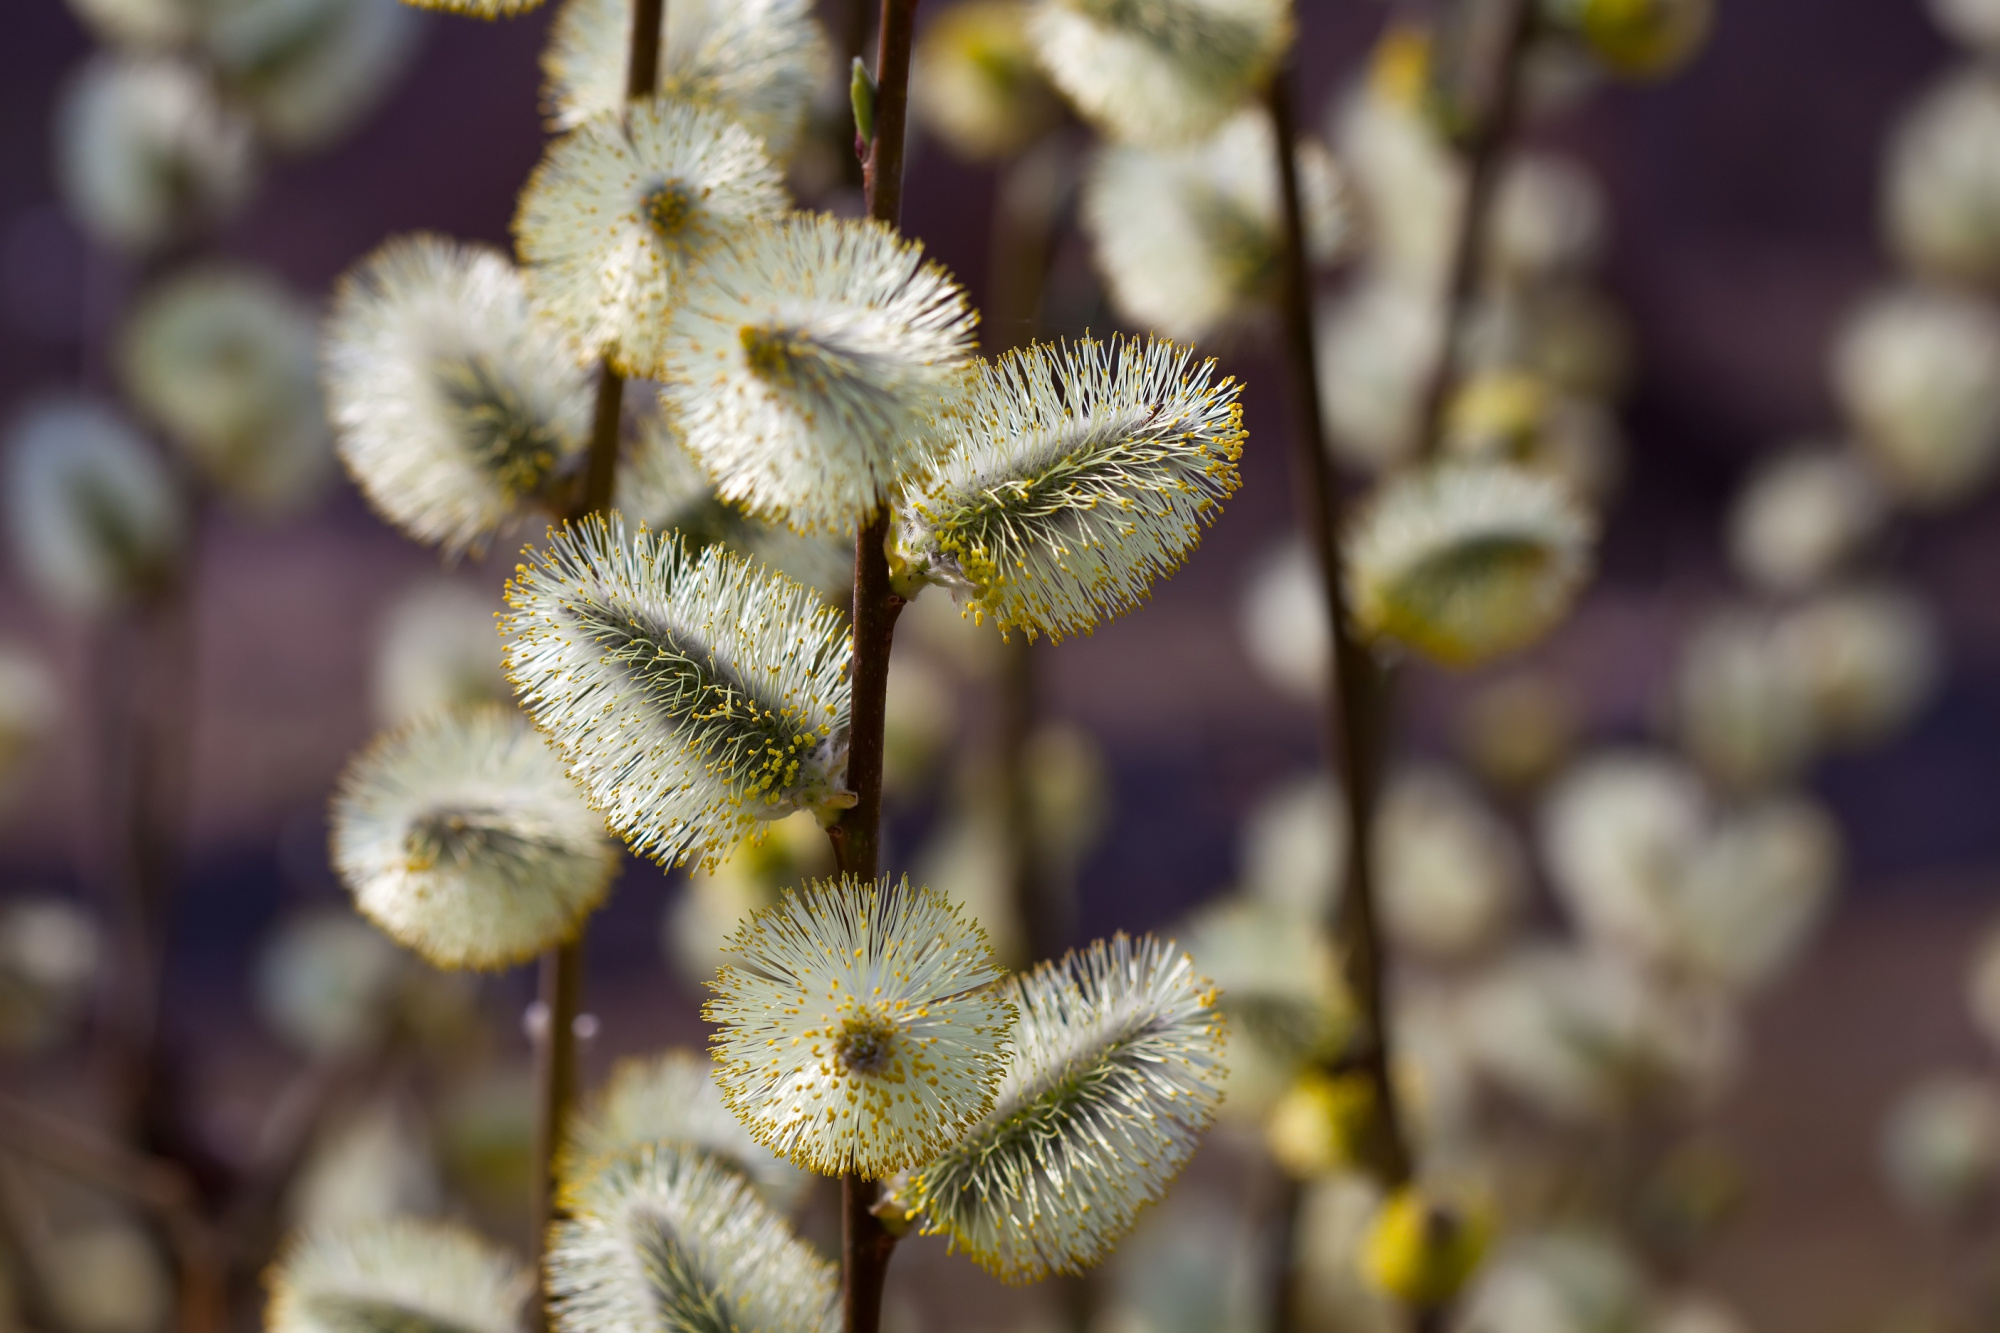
(1743, 198)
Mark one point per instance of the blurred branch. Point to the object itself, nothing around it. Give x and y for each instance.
(160, 1187)
(1280, 1281)
(1486, 106)
(555, 1072)
(33, 1306)
(1359, 689)
(1355, 717)
(147, 698)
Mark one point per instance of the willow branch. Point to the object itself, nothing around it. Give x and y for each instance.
(1353, 723)
(561, 1000)
(1492, 106)
(865, 1245)
(642, 65)
(561, 979)
(148, 692)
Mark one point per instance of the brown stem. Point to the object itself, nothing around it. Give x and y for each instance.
(642, 65)
(865, 1244)
(131, 1019)
(1281, 1276)
(857, 836)
(1352, 724)
(149, 715)
(882, 169)
(865, 1248)
(555, 1072)
(600, 477)
(1492, 106)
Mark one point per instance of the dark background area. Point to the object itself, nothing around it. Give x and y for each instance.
(1743, 199)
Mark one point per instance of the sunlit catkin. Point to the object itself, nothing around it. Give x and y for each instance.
(1116, 1072)
(669, 1239)
(857, 1031)
(623, 212)
(1078, 475)
(809, 369)
(693, 694)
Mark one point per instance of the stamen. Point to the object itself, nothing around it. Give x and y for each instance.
(864, 1046)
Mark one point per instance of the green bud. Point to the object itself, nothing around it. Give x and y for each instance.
(861, 92)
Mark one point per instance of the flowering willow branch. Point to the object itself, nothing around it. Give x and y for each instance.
(561, 983)
(865, 1245)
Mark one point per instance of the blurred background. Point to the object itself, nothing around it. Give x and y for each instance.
(1743, 225)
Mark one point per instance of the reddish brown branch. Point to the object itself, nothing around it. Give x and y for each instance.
(865, 1244)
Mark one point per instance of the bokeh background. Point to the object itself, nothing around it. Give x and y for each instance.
(1743, 198)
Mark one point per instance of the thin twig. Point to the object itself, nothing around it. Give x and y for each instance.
(1491, 106)
(856, 837)
(865, 1245)
(1281, 1279)
(151, 707)
(1361, 685)
(865, 1249)
(882, 170)
(1352, 724)
(642, 63)
(600, 475)
(561, 1000)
